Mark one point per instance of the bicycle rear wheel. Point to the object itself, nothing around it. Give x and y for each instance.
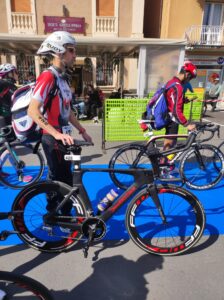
(202, 167)
(184, 225)
(28, 169)
(30, 223)
(22, 287)
(128, 157)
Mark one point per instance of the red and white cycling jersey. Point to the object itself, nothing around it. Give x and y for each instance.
(59, 111)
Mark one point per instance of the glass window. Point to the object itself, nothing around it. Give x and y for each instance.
(213, 14)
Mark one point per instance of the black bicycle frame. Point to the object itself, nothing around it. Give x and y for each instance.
(142, 177)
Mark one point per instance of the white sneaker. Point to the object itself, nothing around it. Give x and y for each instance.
(82, 116)
(95, 120)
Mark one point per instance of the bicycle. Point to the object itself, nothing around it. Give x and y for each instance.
(200, 165)
(21, 164)
(13, 285)
(160, 219)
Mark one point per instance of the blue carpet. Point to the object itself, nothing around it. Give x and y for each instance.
(98, 184)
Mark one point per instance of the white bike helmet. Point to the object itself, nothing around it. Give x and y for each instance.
(6, 68)
(54, 43)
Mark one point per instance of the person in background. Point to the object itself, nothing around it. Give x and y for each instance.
(214, 91)
(92, 102)
(80, 105)
(58, 120)
(8, 78)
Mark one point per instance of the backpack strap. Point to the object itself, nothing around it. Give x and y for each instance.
(52, 94)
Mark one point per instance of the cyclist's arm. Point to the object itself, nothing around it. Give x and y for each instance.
(73, 120)
(177, 94)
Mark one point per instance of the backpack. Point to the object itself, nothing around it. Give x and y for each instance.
(157, 109)
(25, 129)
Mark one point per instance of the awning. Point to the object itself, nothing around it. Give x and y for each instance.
(86, 46)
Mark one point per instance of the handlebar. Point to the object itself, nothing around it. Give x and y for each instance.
(200, 127)
(78, 144)
(209, 127)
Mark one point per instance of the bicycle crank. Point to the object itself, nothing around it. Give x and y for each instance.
(96, 226)
(93, 229)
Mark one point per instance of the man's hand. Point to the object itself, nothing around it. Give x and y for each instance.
(65, 138)
(191, 127)
(87, 138)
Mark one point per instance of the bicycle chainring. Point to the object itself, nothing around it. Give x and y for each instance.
(97, 226)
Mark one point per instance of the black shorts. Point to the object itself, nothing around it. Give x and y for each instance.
(172, 128)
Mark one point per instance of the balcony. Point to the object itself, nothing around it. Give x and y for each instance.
(22, 23)
(106, 26)
(205, 36)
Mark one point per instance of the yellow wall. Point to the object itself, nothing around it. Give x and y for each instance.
(3, 18)
(178, 15)
(125, 18)
(54, 8)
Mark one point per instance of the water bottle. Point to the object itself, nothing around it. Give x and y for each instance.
(107, 200)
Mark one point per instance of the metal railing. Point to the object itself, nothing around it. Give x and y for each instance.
(106, 25)
(23, 23)
(205, 35)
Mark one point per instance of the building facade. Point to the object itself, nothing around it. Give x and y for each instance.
(136, 44)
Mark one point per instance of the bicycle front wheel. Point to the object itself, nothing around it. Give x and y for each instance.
(183, 225)
(128, 157)
(15, 286)
(30, 224)
(201, 167)
(22, 167)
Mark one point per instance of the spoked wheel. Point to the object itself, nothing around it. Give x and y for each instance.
(132, 156)
(183, 227)
(202, 167)
(30, 223)
(23, 168)
(13, 286)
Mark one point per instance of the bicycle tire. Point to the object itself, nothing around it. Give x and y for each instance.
(30, 225)
(31, 166)
(198, 176)
(128, 157)
(221, 148)
(184, 226)
(15, 285)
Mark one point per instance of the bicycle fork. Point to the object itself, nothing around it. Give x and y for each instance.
(153, 192)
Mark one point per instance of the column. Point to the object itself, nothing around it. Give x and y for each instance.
(94, 70)
(141, 72)
(137, 18)
(13, 60)
(37, 65)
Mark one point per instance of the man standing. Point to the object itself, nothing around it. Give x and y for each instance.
(55, 123)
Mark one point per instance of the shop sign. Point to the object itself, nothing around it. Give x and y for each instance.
(220, 60)
(70, 24)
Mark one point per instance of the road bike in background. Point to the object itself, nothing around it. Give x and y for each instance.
(21, 164)
(200, 165)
